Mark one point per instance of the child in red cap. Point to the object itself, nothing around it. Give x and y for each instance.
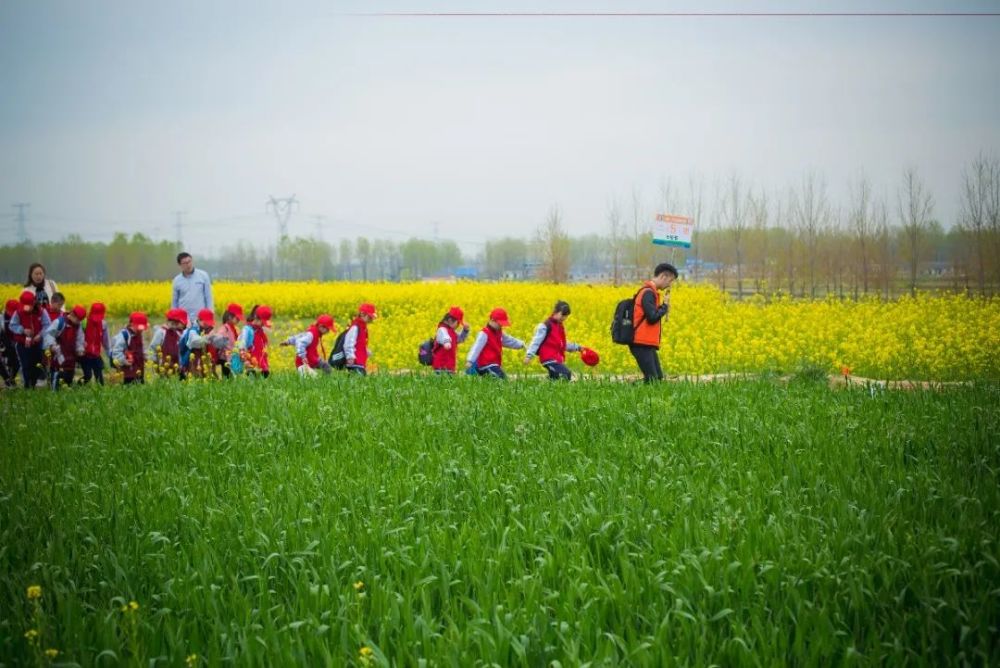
(356, 351)
(223, 338)
(165, 348)
(253, 339)
(91, 339)
(195, 358)
(486, 356)
(309, 352)
(27, 325)
(446, 340)
(127, 352)
(60, 343)
(550, 344)
(8, 354)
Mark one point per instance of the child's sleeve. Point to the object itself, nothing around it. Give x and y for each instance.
(477, 348)
(118, 350)
(51, 333)
(350, 342)
(536, 340)
(464, 334)
(509, 341)
(105, 339)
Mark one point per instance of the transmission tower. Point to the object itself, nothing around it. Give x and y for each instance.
(282, 208)
(21, 218)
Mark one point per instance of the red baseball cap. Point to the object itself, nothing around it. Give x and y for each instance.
(264, 313)
(139, 320)
(207, 316)
(178, 314)
(236, 310)
(79, 312)
(97, 310)
(27, 300)
(368, 309)
(589, 357)
(326, 321)
(456, 313)
(500, 316)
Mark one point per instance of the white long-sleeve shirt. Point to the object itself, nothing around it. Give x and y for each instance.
(303, 341)
(506, 340)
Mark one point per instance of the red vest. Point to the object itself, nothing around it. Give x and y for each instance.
(258, 352)
(443, 358)
(493, 351)
(32, 321)
(312, 350)
(553, 348)
(67, 345)
(93, 338)
(170, 349)
(135, 356)
(361, 345)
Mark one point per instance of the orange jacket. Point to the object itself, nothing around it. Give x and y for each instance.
(645, 333)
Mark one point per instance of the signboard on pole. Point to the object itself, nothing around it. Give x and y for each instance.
(671, 230)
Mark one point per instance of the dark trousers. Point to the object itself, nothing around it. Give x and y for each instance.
(8, 363)
(557, 371)
(492, 370)
(354, 368)
(30, 359)
(136, 380)
(61, 376)
(226, 371)
(648, 360)
(93, 367)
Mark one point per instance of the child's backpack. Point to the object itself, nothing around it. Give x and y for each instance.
(425, 353)
(622, 325)
(338, 360)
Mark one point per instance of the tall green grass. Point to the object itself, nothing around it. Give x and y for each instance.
(459, 521)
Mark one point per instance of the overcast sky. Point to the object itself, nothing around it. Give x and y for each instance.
(116, 114)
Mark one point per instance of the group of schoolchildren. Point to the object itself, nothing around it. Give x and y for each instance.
(48, 343)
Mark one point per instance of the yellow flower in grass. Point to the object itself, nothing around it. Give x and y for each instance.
(191, 660)
(366, 656)
(34, 592)
(51, 653)
(359, 586)
(31, 635)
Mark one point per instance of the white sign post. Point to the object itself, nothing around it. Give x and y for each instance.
(671, 230)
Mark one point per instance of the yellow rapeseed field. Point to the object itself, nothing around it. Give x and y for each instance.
(932, 337)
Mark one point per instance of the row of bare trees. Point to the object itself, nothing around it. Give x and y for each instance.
(798, 241)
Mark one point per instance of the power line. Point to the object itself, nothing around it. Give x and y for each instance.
(22, 229)
(179, 226)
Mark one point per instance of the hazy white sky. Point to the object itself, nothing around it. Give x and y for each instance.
(116, 114)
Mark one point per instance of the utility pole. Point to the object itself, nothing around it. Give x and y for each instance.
(179, 226)
(282, 208)
(21, 218)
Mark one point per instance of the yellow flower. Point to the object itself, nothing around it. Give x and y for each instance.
(131, 606)
(31, 635)
(191, 660)
(359, 585)
(51, 653)
(34, 591)
(366, 651)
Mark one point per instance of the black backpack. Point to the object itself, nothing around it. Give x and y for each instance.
(622, 325)
(425, 353)
(337, 358)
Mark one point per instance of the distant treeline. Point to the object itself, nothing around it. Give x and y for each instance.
(746, 240)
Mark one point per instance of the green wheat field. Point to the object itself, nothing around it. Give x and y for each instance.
(417, 521)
